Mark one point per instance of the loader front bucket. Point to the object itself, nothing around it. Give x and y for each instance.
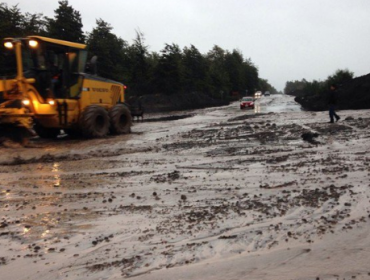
(16, 134)
(15, 125)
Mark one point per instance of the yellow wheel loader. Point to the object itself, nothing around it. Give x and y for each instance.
(44, 87)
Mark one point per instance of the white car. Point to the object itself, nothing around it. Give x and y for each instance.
(258, 94)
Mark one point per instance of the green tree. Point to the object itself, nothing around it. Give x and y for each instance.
(196, 71)
(219, 78)
(15, 24)
(313, 88)
(109, 49)
(234, 68)
(35, 24)
(139, 67)
(318, 87)
(67, 24)
(169, 73)
(264, 86)
(293, 86)
(339, 77)
(11, 22)
(251, 76)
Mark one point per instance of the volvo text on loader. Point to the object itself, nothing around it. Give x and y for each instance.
(44, 87)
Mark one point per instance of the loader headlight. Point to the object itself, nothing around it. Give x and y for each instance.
(50, 101)
(26, 102)
(8, 45)
(33, 43)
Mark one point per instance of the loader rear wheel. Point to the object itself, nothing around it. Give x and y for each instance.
(46, 132)
(120, 119)
(94, 122)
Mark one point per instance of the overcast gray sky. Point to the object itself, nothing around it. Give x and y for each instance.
(286, 39)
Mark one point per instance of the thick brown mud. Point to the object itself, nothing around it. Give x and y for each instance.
(178, 196)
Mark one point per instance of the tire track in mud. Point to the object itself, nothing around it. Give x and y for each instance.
(50, 158)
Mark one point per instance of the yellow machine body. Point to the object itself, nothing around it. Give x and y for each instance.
(48, 84)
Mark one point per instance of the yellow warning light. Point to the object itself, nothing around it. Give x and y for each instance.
(26, 102)
(51, 102)
(33, 43)
(8, 45)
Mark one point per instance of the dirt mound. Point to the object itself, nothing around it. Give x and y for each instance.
(354, 94)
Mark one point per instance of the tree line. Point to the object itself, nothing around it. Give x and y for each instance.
(315, 87)
(218, 73)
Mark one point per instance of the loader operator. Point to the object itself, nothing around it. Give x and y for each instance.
(56, 74)
(49, 76)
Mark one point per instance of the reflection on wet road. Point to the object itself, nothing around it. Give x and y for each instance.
(55, 171)
(275, 104)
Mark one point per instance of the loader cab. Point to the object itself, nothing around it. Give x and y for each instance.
(57, 67)
(54, 64)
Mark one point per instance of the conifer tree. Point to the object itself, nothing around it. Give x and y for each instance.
(67, 24)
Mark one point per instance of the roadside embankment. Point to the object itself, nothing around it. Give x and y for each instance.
(354, 94)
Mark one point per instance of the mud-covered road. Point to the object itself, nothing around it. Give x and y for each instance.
(217, 193)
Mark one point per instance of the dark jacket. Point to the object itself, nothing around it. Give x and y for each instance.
(332, 97)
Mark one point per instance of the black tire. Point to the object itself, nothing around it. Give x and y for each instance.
(94, 122)
(46, 132)
(120, 119)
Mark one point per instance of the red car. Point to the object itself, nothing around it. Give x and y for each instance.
(247, 102)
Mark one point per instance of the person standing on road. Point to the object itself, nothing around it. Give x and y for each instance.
(332, 102)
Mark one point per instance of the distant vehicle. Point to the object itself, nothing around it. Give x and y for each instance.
(267, 93)
(247, 102)
(258, 94)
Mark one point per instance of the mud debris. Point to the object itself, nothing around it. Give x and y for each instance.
(218, 184)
